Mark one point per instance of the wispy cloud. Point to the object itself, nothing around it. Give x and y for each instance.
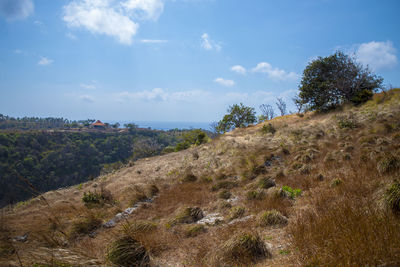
(239, 69)
(16, 9)
(112, 18)
(275, 73)
(377, 55)
(87, 98)
(161, 95)
(44, 61)
(153, 41)
(88, 86)
(208, 44)
(223, 82)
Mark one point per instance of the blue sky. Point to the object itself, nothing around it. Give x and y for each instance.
(178, 60)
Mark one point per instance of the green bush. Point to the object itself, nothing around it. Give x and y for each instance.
(290, 192)
(85, 225)
(255, 195)
(224, 185)
(238, 116)
(388, 164)
(268, 128)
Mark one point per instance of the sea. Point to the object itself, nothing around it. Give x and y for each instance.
(166, 125)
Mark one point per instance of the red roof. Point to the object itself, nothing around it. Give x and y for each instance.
(98, 123)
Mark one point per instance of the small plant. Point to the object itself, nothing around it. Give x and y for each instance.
(255, 195)
(193, 231)
(243, 249)
(266, 183)
(347, 122)
(392, 197)
(85, 225)
(388, 164)
(128, 252)
(290, 192)
(268, 128)
(152, 190)
(237, 212)
(91, 198)
(224, 194)
(187, 215)
(272, 217)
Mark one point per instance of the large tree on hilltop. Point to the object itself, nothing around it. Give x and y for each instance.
(328, 82)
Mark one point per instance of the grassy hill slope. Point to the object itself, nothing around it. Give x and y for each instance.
(317, 189)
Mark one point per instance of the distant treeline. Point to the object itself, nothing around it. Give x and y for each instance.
(45, 160)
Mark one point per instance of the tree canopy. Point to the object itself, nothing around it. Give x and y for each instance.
(238, 116)
(328, 82)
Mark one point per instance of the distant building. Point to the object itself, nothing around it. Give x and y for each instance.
(98, 125)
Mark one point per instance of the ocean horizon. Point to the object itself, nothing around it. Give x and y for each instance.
(166, 125)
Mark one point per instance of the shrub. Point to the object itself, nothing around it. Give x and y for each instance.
(243, 249)
(237, 212)
(290, 192)
(266, 183)
(85, 225)
(392, 197)
(195, 230)
(128, 252)
(255, 195)
(388, 164)
(188, 215)
(268, 128)
(92, 199)
(347, 122)
(224, 194)
(272, 217)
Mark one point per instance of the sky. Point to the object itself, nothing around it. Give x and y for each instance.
(179, 60)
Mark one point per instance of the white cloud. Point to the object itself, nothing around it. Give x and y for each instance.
(44, 61)
(144, 9)
(88, 86)
(160, 95)
(208, 44)
(87, 98)
(275, 73)
(222, 81)
(153, 41)
(110, 17)
(239, 69)
(18, 51)
(16, 9)
(377, 55)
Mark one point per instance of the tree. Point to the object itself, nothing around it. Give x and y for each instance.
(281, 105)
(238, 116)
(328, 82)
(267, 112)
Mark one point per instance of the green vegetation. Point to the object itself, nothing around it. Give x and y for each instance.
(195, 230)
(328, 82)
(85, 225)
(33, 162)
(290, 192)
(268, 128)
(193, 137)
(237, 212)
(238, 116)
(224, 194)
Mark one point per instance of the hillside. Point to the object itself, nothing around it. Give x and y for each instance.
(315, 189)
